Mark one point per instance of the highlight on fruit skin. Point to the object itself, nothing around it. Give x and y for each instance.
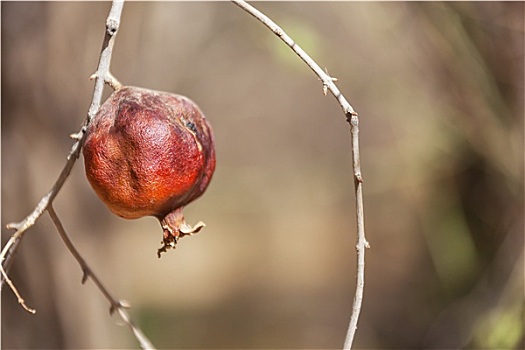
(150, 153)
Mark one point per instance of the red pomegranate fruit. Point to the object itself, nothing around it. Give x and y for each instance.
(150, 153)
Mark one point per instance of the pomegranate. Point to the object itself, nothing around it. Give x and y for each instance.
(150, 153)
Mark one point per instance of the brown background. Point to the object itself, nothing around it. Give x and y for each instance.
(439, 89)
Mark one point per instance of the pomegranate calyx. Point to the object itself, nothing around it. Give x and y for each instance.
(175, 227)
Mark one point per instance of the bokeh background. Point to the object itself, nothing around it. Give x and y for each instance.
(439, 89)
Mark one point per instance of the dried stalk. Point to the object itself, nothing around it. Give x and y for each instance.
(112, 24)
(21, 300)
(352, 118)
(116, 305)
(101, 76)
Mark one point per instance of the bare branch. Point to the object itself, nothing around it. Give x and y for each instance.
(115, 305)
(143, 340)
(11, 246)
(112, 25)
(101, 76)
(352, 117)
(21, 300)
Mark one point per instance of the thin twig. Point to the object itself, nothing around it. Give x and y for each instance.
(21, 300)
(83, 265)
(115, 305)
(352, 118)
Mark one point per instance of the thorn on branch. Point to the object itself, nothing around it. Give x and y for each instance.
(75, 136)
(119, 304)
(125, 304)
(13, 225)
(113, 307)
(85, 275)
(78, 135)
(325, 84)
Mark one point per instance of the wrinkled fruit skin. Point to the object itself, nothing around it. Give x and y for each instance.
(150, 153)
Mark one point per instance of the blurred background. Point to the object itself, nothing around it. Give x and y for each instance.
(439, 90)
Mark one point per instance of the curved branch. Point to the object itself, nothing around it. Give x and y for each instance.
(352, 118)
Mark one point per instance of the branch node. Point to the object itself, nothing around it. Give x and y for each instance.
(278, 31)
(77, 135)
(325, 83)
(13, 225)
(352, 118)
(118, 304)
(113, 82)
(112, 26)
(109, 79)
